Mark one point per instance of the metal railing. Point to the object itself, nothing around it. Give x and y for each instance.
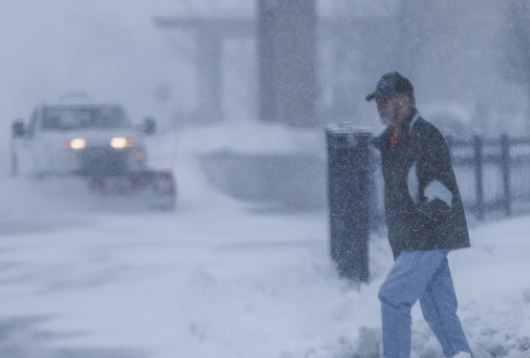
(493, 174)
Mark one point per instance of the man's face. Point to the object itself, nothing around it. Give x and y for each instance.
(390, 110)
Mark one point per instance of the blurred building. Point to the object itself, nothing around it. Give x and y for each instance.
(452, 51)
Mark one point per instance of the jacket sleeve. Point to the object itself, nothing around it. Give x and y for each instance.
(437, 185)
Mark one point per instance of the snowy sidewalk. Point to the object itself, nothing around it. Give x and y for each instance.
(233, 283)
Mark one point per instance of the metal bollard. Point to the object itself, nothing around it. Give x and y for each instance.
(349, 199)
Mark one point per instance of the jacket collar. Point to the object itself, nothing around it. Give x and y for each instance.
(381, 141)
(409, 123)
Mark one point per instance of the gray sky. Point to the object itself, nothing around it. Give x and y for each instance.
(56, 46)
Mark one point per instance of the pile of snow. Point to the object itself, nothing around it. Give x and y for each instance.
(181, 150)
(250, 136)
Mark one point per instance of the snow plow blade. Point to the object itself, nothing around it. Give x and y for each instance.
(154, 189)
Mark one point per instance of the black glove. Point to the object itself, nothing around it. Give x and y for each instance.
(436, 210)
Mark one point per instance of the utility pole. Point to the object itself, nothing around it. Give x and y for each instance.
(286, 36)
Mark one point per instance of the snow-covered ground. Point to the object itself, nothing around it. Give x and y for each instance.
(218, 278)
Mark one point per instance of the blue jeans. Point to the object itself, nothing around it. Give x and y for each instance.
(423, 276)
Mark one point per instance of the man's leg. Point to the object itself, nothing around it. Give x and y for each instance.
(405, 284)
(439, 305)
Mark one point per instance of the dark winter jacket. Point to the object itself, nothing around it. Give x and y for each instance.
(423, 207)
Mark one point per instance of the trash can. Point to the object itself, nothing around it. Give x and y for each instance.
(349, 171)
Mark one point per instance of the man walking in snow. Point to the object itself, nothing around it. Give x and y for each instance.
(425, 219)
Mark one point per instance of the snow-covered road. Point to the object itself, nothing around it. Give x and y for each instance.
(206, 282)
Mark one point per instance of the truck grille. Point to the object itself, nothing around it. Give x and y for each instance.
(104, 161)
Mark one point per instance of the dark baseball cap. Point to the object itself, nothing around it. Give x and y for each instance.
(391, 84)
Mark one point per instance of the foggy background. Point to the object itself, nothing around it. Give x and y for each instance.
(466, 59)
(469, 63)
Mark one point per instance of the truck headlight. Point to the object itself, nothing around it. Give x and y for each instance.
(76, 143)
(121, 143)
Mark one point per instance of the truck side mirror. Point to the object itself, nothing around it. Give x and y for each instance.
(149, 126)
(17, 129)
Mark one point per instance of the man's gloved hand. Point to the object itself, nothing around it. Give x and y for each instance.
(436, 210)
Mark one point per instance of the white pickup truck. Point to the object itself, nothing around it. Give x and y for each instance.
(93, 141)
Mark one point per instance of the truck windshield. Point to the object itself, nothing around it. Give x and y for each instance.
(68, 118)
